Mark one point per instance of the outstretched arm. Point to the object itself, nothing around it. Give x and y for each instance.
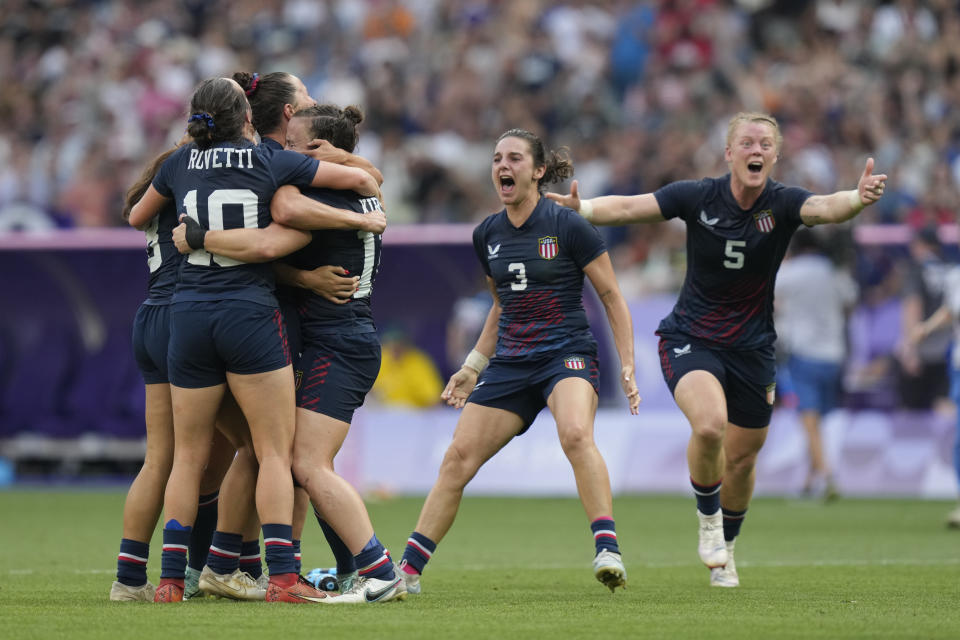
(292, 208)
(844, 205)
(462, 382)
(321, 149)
(600, 272)
(245, 245)
(336, 176)
(611, 210)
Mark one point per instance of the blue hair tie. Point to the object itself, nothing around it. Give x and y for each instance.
(202, 116)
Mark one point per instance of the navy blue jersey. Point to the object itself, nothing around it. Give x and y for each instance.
(356, 251)
(538, 270)
(163, 259)
(228, 186)
(732, 259)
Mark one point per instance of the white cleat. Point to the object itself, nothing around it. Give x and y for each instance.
(712, 549)
(263, 581)
(411, 580)
(120, 592)
(725, 576)
(608, 568)
(236, 586)
(371, 590)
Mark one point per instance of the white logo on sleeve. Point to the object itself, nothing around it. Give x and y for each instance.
(493, 251)
(707, 221)
(681, 351)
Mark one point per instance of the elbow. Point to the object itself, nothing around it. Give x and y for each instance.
(281, 213)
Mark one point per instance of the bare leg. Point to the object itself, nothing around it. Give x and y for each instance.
(573, 403)
(700, 396)
(481, 432)
(145, 496)
(741, 446)
(818, 463)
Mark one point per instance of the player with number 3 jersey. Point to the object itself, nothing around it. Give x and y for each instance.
(716, 347)
(539, 349)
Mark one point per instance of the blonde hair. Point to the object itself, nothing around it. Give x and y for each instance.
(754, 116)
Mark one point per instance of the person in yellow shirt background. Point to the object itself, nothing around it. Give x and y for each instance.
(408, 376)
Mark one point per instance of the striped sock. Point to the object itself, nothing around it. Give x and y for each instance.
(202, 535)
(132, 562)
(173, 562)
(605, 534)
(374, 562)
(345, 561)
(732, 521)
(224, 556)
(419, 550)
(297, 558)
(278, 542)
(708, 497)
(250, 558)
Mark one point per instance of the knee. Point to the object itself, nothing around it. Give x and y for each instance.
(458, 466)
(710, 430)
(740, 463)
(307, 470)
(575, 438)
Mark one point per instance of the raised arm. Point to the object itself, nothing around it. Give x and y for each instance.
(611, 210)
(844, 205)
(246, 245)
(146, 208)
(462, 382)
(292, 208)
(600, 272)
(321, 149)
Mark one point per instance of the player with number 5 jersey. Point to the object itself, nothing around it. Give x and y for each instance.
(716, 347)
(226, 327)
(540, 352)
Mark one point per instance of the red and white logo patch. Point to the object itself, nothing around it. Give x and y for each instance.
(548, 247)
(574, 362)
(764, 220)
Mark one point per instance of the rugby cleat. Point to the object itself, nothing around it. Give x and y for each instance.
(263, 582)
(292, 587)
(712, 549)
(725, 576)
(236, 586)
(411, 579)
(169, 590)
(371, 590)
(609, 570)
(191, 584)
(120, 592)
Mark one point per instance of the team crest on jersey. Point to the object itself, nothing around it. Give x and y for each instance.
(574, 362)
(548, 247)
(764, 220)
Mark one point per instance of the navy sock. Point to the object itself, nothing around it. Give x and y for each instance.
(732, 520)
(345, 560)
(419, 550)
(173, 562)
(224, 556)
(708, 497)
(202, 535)
(250, 558)
(374, 562)
(605, 535)
(278, 541)
(132, 562)
(297, 558)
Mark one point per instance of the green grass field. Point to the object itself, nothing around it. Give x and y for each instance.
(521, 568)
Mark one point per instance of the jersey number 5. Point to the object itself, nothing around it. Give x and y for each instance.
(736, 257)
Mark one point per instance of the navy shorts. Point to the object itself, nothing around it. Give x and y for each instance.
(151, 337)
(208, 339)
(522, 387)
(334, 373)
(291, 322)
(748, 377)
(816, 383)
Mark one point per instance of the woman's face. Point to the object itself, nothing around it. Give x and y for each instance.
(513, 173)
(751, 153)
(298, 134)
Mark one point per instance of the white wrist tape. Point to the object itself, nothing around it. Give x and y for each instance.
(855, 203)
(586, 209)
(476, 361)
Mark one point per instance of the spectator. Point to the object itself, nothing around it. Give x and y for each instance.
(408, 377)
